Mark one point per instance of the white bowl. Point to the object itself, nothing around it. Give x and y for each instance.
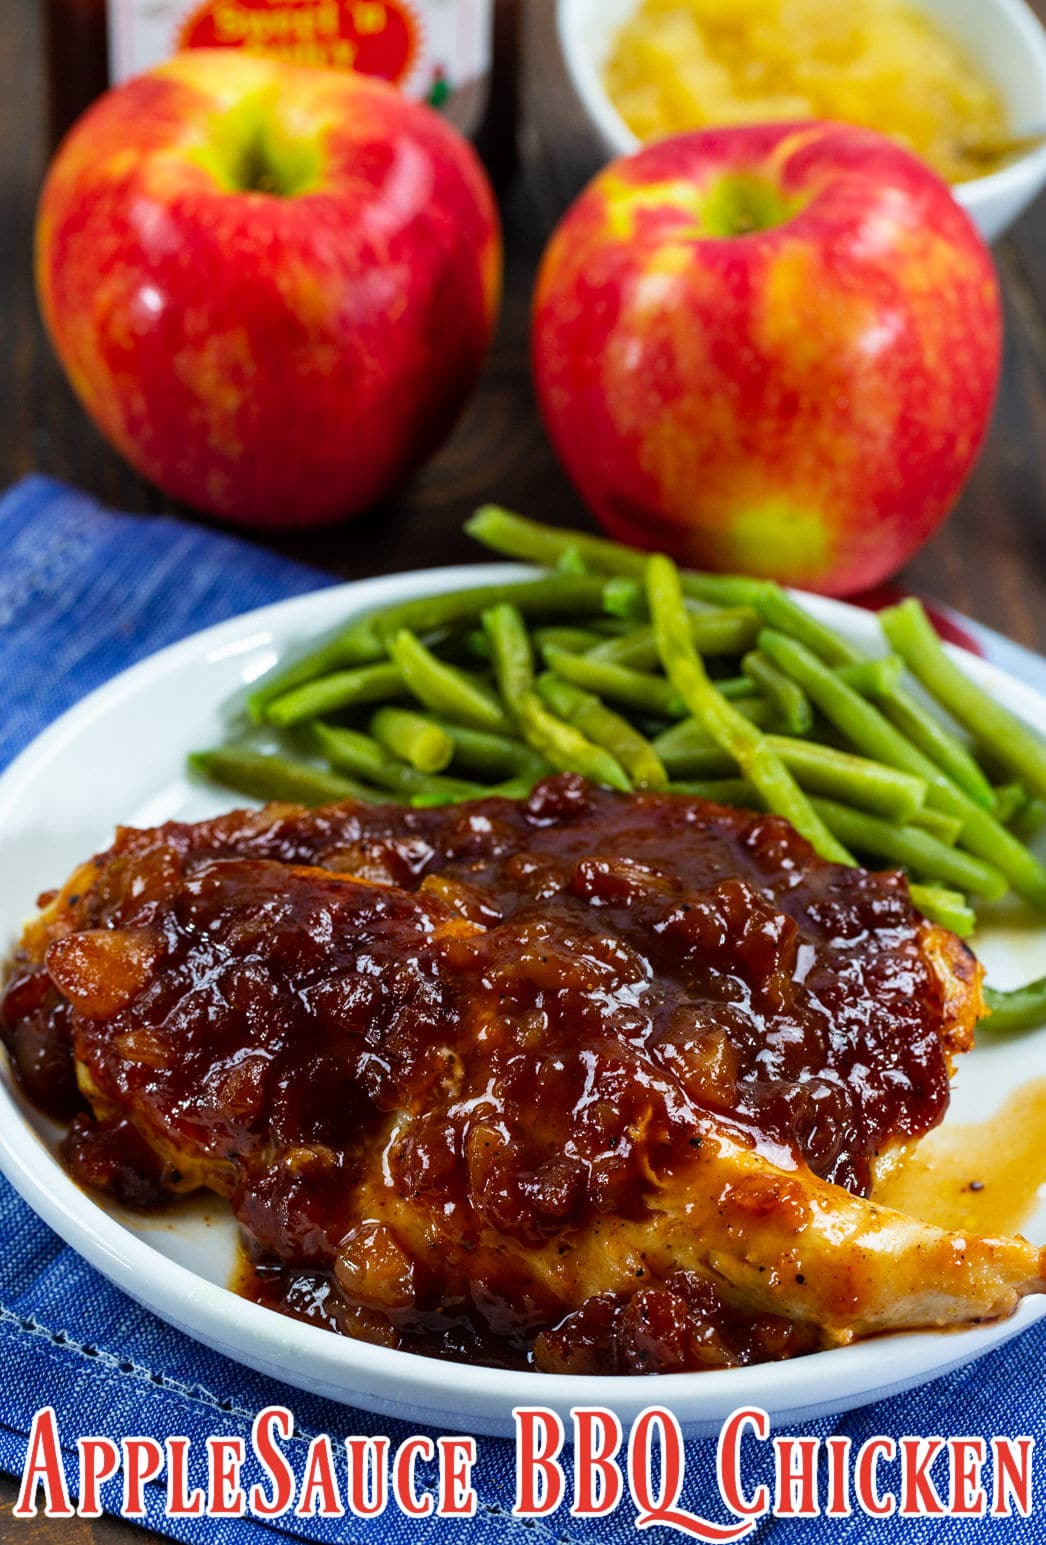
(1004, 36)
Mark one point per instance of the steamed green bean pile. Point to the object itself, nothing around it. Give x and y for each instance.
(618, 665)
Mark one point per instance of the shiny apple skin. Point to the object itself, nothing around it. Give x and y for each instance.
(276, 361)
(803, 401)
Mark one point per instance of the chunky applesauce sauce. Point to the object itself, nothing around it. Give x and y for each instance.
(690, 64)
(422, 1050)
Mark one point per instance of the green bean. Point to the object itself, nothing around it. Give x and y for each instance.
(623, 598)
(571, 561)
(914, 848)
(872, 677)
(561, 744)
(567, 749)
(946, 828)
(605, 728)
(687, 752)
(364, 641)
(517, 537)
(1009, 799)
(493, 756)
(354, 645)
(360, 755)
(737, 792)
(725, 631)
(730, 730)
(613, 627)
(911, 633)
(413, 738)
(984, 835)
(693, 759)
(882, 839)
(855, 780)
(364, 757)
(728, 630)
(327, 694)
(994, 767)
(640, 690)
(857, 719)
(778, 608)
(577, 640)
(867, 729)
(514, 788)
(443, 688)
(755, 709)
(262, 776)
(475, 645)
(935, 741)
(790, 703)
(733, 687)
(1028, 821)
(553, 595)
(947, 907)
(1023, 1008)
(511, 654)
(687, 735)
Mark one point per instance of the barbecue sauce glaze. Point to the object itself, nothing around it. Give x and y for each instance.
(553, 990)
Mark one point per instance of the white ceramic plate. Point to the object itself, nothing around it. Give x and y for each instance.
(119, 757)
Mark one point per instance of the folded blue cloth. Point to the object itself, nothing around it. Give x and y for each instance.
(84, 593)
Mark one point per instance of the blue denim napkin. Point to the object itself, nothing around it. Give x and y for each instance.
(84, 593)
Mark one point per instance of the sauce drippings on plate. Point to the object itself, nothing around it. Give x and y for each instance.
(984, 1177)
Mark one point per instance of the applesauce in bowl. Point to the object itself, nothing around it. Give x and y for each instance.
(675, 65)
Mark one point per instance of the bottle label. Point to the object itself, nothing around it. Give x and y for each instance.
(434, 50)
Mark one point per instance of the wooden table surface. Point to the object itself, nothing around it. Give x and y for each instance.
(989, 561)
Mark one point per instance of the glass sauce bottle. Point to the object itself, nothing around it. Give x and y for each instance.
(459, 55)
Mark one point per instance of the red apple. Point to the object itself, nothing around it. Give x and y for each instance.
(770, 349)
(272, 287)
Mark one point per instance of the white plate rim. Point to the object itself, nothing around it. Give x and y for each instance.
(401, 1384)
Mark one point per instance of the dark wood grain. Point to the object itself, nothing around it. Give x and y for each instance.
(64, 1531)
(989, 560)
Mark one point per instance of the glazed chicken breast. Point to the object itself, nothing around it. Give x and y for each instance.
(588, 1082)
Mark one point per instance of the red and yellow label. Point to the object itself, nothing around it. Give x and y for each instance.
(376, 37)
